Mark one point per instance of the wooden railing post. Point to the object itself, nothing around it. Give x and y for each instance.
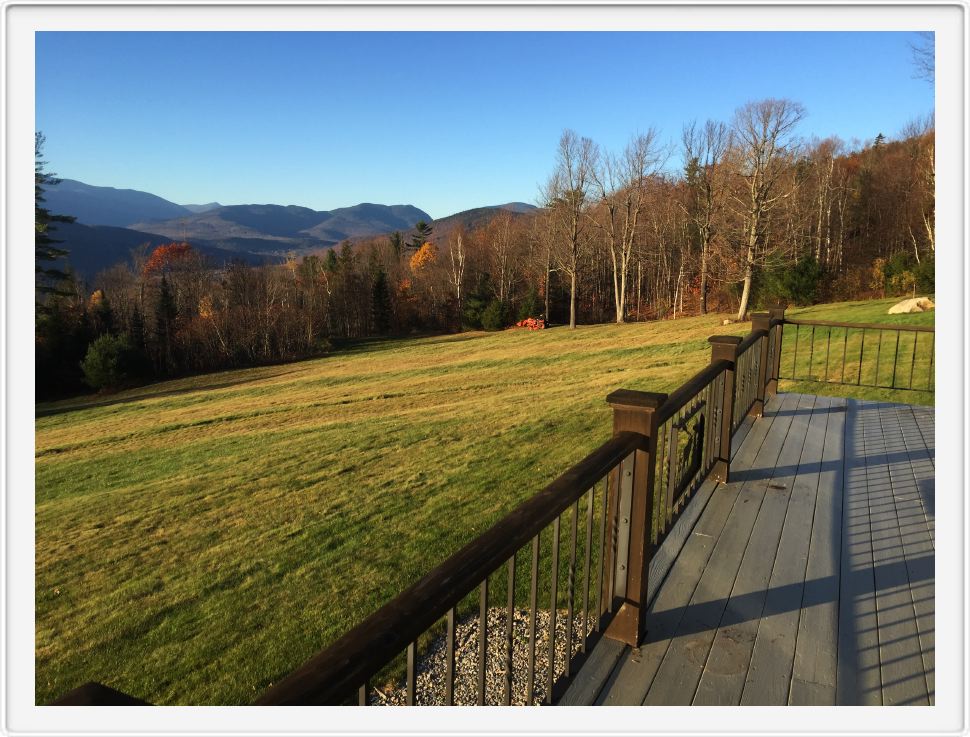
(634, 510)
(725, 347)
(761, 321)
(774, 371)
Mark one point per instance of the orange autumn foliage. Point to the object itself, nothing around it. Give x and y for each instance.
(168, 255)
(424, 257)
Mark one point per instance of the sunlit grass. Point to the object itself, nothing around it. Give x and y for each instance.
(860, 363)
(197, 539)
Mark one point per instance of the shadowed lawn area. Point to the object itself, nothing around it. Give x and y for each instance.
(197, 539)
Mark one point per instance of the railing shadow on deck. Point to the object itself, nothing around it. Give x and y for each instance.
(664, 447)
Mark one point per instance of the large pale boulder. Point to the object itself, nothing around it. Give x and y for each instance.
(917, 304)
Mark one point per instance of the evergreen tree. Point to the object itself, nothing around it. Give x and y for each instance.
(330, 264)
(422, 232)
(165, 314)
(381, 304)
(397, 243)
(49, 279)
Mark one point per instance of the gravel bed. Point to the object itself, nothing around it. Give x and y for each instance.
(430, 678)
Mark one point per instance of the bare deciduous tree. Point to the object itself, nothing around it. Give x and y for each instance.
(566, 196)
(764, 141)
(621, 182)
(704, 151)
(924, 56)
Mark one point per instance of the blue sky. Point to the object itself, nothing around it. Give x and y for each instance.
(443, 121)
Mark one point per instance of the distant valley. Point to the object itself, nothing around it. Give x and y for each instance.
(111, 222)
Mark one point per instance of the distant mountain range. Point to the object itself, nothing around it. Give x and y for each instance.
(477, 217)
(111, 222)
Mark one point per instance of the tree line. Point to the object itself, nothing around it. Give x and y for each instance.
(754, 215)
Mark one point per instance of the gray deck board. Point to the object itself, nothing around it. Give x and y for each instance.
(814, 667)
(808, 579)
(635, 672)
(680, 671)
(769, 674)
(727, 664)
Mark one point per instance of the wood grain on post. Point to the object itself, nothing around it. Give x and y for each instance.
(724, 348)
(635, 411)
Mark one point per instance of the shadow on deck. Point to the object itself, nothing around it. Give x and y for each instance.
(808, 579)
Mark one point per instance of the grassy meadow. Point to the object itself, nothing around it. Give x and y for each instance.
(197, 539)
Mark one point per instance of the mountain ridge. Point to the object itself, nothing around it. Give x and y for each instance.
(112, 221)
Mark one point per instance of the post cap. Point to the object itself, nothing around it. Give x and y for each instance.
(635, 399)
(724, 339)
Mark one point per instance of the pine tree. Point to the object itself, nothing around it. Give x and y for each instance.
(165, 314)
(49, 279)
(381, 304)
(330, 264)
(397, 243)
(422, 232)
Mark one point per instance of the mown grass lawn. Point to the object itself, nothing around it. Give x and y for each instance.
(197, 539)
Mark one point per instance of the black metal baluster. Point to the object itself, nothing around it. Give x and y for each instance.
(571, 591)
(412, 672)
(708, 424)
(530, 686)
(589, 552)
(845, 343)
(450, 660)
(895, 359)
(912, 365)
(602, 555)
(875, 380)
(862, 350)
(811, 353)
(553, 604)
(931, 378)
(828, 346)
(510, 633)
(482, 639)
(794, 360)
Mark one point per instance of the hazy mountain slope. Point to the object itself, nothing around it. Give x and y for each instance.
(367, 219)
(289, 227)
(478, 217)
(202, 208)
(94, 248)
(108, 206)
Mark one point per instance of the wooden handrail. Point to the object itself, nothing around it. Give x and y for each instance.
(863, 325)
(336, 672)
(750, 339)
(686, 391)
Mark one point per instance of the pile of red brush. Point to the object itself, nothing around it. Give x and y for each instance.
(531, 323)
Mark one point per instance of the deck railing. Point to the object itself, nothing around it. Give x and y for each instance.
(896, 357)
(586, 540)
(632, 490)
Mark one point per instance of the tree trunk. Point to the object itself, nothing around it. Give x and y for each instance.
(704, 277)
(572, 300)
(545, 315)
(746, 291)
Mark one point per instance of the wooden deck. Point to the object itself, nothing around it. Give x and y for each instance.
(808, 579)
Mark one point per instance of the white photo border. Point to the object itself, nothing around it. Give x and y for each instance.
(20, 20)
